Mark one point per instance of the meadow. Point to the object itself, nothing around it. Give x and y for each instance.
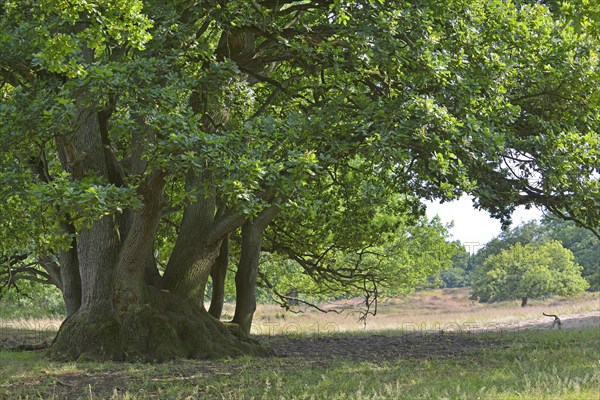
(434, 344)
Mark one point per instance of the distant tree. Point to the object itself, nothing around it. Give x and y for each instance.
(582, 242)
(464, 263)
(457, 274)
(524, 233)
(528, 271)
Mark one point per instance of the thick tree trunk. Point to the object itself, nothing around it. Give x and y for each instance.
(147, 323)
(93, 330)
(130, 280)
(164, 327)
(188, 279)
(98, 249)
(245, 278)
(523, 301)
(218, 273)
(128, 320)
(121, 317)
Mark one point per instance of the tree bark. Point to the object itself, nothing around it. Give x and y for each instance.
(523, 301)
(71, 281)
(152, 274)
(245, 278)
(97, 246)
(92, 328)
(218, 273)
(121, 317)
(52, 270)
(130, 274)
(193, 256)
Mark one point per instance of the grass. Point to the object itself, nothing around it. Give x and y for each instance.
(532, 364)
(545, 365)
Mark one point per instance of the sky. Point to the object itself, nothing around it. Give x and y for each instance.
(473, 227)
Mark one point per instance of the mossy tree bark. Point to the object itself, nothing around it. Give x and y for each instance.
(127, 310)
(144, 322)
(134, 321)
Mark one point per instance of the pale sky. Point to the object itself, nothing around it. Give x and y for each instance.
(473, 227)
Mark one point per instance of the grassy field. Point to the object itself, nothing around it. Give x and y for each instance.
(438, 309)
(510, 353)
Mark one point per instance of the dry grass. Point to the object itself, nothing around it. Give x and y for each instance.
(27, 331)
(31, 323)
(440, 309)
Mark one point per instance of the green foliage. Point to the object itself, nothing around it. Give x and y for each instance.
(528, 271)
(584, 245)
(458, 273)
(387, 261)
(32, 300)
(454, 277)
(525, 233)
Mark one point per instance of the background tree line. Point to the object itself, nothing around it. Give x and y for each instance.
(547, 235)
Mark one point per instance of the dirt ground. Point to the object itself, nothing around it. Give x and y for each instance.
(413, 344)
(374, 347)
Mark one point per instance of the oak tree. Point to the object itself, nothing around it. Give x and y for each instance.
(527, 272)
(136, 136)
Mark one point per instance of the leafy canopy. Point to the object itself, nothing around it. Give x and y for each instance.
(294, 104)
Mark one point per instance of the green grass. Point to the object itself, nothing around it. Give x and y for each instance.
(519, 365)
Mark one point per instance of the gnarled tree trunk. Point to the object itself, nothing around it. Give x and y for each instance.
(194, 253)
(144, 322)
(128, 311)
(121, 317)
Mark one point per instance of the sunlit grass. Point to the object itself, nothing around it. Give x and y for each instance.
(437, 309)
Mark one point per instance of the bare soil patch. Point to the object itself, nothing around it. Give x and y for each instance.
(374, 347)
(411, 345)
